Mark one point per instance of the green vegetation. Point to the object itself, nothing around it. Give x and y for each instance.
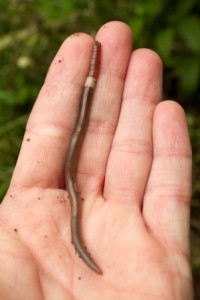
(32, 31)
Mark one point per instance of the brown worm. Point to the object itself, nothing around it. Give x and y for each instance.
(73, 154)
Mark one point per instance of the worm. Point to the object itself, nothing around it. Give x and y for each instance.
(73, 153)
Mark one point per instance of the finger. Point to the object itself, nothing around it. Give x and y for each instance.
(131, 154)
(106, 105)
(43, 153)
(167, 198)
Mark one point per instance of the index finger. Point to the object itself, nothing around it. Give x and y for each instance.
(52, 118)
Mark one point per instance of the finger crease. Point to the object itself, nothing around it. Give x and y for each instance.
(133, 146)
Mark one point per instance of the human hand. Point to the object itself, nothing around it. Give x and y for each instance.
(134, 174)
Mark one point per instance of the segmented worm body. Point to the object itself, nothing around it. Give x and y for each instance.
(73, 154)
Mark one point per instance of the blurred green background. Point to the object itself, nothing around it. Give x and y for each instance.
(32, 31)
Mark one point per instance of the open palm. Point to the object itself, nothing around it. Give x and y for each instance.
(134, 175)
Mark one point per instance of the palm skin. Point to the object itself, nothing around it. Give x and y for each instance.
(134, 175)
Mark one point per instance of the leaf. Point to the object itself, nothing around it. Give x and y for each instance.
(152, 8)
(164, 42)
(189, 29)
(136, 24)
(183, 7)
(188, 71)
